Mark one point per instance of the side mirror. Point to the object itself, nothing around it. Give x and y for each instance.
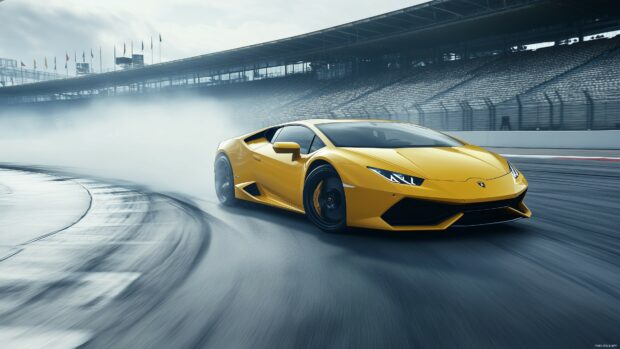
(287, 148)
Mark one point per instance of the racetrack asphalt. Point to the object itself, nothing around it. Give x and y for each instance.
(265, 278)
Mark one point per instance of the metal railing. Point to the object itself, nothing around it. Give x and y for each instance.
(515, 114)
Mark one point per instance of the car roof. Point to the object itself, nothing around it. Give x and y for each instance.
(328, 121)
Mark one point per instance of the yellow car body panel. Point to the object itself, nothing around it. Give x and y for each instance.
(452, 176)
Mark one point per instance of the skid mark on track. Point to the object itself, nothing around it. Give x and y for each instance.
(20, 337)
(97, 289)
(8, 252)
(54, 288)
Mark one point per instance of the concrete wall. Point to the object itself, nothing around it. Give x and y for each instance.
(543, 139)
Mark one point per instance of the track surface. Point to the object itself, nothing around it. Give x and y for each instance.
(269, 279)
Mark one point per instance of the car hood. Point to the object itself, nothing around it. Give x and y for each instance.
(445, 163)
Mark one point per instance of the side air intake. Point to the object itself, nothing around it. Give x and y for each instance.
(252, 189)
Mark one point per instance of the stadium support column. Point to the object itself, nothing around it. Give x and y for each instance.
(467, 116)
(561, 125)
(421, 117)
(589, 110)
(368, 116)
(444, 117)
(519, 113)
(492, 116)
(408, 114)
(388, 114)
(550, 110)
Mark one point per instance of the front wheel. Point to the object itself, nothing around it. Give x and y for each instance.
(224, 181)
(324, 199)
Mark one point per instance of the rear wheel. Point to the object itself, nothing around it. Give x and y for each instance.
(324, 199)
(224, 181)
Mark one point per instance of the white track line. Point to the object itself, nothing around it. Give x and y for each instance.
(563, 157)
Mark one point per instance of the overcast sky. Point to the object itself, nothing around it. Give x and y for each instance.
(36, 29)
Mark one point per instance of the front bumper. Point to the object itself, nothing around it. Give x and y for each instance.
(437, 205)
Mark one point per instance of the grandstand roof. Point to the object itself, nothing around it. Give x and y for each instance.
(435, 23)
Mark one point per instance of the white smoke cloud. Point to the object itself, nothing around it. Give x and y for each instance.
(168, 144)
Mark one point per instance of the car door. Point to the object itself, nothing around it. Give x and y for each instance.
(279, 174)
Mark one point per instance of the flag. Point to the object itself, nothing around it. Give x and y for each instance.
(124, 49)
(151, 42)
(54, 63)
(66, 60)
(34, 61)
(83, 57)
(22, 64)
(91, 53)
(159, 37)
(142, 45)
(45, 63)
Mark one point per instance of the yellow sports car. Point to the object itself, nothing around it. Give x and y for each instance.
(370, 174)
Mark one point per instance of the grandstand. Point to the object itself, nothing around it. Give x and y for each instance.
(560, 76)
(447, 64)
(12, 74)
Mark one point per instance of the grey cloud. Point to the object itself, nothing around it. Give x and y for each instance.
(35, 31)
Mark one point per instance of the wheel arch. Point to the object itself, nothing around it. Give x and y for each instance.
(224, 153)
(316, 163)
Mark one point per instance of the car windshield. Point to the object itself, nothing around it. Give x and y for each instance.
(366, 134)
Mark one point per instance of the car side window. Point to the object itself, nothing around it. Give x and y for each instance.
(317, 144)
(298, 134)
(273, 134)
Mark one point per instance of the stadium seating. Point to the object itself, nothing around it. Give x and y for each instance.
(446, 91)
(517, 73)
(600, 78)
(419, 85)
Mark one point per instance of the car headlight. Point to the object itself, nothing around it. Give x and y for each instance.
(396, 177)
(513, 170)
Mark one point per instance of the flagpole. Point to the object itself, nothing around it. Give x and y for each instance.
(114, 63)
(100, 61)
(152, 50)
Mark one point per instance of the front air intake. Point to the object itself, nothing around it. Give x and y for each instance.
(415, 212)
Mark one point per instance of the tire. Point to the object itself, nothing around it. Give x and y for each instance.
(224, 181)
(324, 200)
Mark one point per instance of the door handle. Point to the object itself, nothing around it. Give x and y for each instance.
(256, 157)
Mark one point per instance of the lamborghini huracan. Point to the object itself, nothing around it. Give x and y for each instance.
(370, 174)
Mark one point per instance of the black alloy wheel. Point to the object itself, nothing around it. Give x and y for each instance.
(324, 199)
(224, 181)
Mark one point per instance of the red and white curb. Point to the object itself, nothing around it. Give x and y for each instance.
(564, 157)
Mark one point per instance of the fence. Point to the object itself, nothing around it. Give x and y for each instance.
(514, 114)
